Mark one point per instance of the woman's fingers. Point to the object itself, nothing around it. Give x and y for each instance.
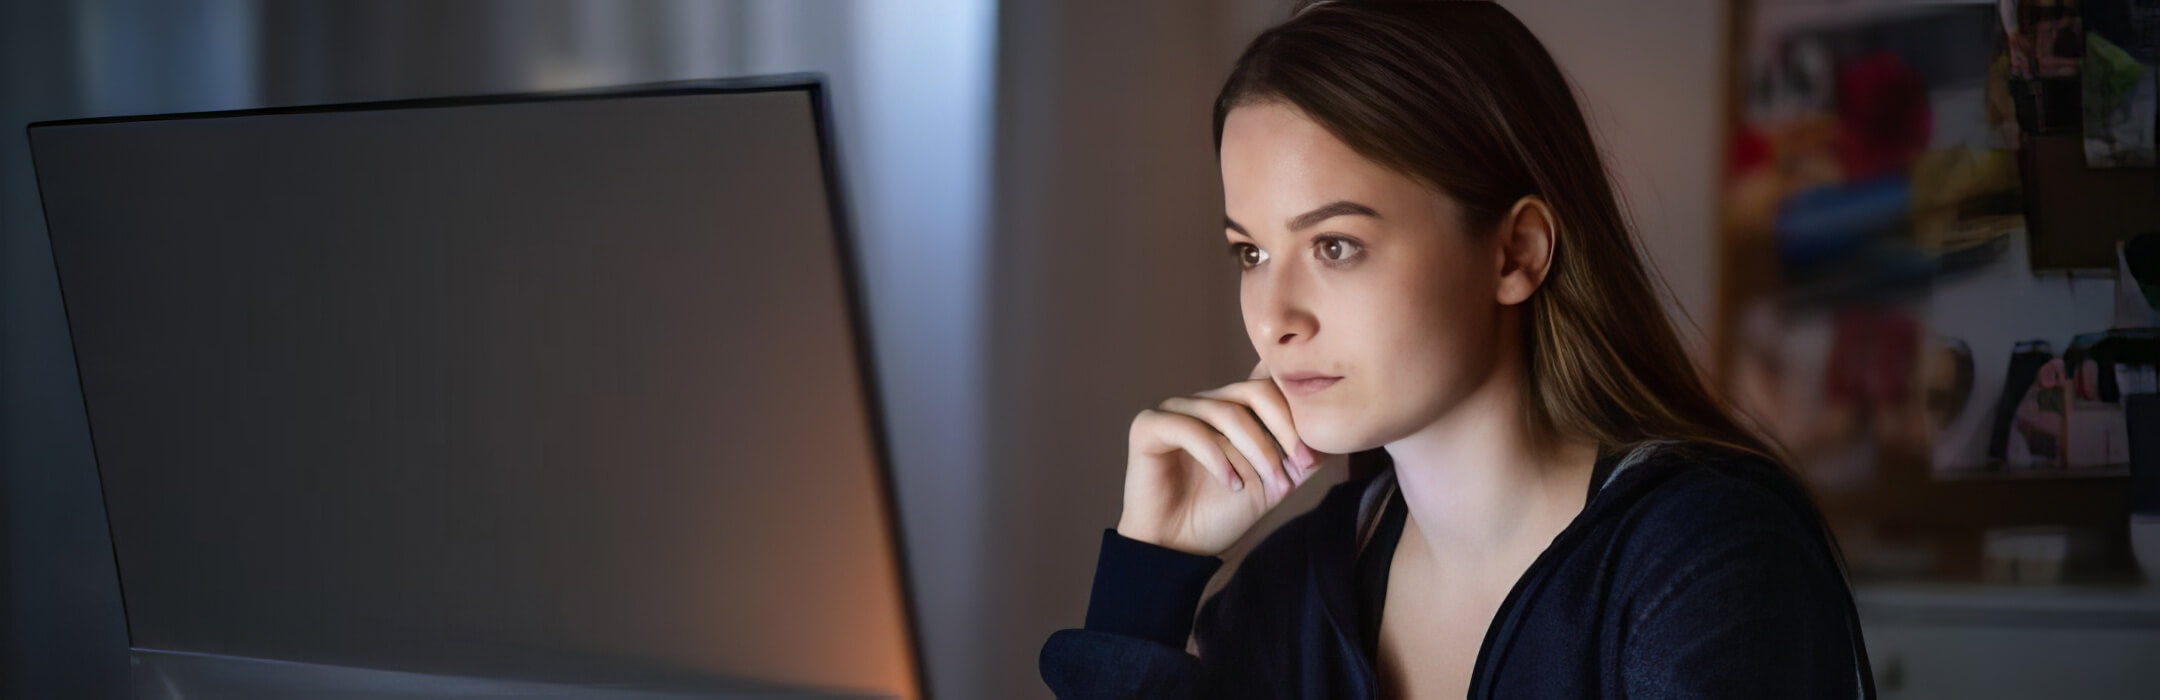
(1236, 422)
(1161, 432)
(1266, 402)
(1237, 460)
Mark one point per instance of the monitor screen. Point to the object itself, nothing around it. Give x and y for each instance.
(568, 385)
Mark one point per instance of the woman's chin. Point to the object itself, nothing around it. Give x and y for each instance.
(1329, 438)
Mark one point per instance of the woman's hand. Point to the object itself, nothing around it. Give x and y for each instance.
(1201, 469)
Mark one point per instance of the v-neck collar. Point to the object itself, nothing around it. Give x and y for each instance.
(1336, 563)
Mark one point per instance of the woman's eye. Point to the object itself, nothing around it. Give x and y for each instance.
(1247, 254)
(1337, 250)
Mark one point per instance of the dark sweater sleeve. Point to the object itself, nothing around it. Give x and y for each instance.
(1743, 607)
(1140, 613)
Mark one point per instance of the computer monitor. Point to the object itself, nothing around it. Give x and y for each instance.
(570, 386)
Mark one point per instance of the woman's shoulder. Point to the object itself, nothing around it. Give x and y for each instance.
(1691, 507)
(1706, 485)
(1718, 567)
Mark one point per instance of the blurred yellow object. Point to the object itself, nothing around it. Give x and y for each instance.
(1964, 197)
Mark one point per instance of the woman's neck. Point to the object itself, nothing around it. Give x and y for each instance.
(1481, 489)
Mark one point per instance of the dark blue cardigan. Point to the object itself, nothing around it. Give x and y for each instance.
(1691, 572)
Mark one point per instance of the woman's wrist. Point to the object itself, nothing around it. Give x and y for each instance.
(1148, 534)
(1133, 531)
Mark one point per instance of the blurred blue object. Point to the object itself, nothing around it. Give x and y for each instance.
(1825, 223)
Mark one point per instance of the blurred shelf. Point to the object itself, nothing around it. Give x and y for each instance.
(2095, 472)
(1903, 511)
(2126, 603)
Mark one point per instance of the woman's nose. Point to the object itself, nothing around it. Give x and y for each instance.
(1284, 319)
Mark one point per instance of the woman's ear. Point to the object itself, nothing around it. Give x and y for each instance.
(1526, 242)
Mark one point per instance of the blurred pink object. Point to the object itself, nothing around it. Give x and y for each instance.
(1883, 115)
(2036, 437)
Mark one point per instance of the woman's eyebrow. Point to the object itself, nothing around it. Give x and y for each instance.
(1309, 219)
(1331, 210)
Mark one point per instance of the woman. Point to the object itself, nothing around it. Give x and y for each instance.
(1437, 277)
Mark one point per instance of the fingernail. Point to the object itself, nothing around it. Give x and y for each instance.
(1306, 454)
(1292, 470)
(1237, 484)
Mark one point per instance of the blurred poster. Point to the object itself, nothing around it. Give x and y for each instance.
(2046, 46)
(2046, 37)
(1874, 155)
(2120, 80)
(1877, 141)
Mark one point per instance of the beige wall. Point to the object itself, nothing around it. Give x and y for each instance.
(1105, 296)
(1648, 74)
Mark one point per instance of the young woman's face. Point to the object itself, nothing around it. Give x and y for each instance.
(1352, 270)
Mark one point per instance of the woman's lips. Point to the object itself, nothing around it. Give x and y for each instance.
(1308, 386)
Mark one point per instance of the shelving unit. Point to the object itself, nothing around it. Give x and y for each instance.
(1916, 536)
(1900, 499)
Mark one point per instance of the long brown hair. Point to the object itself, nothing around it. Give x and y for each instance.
(1461, 96)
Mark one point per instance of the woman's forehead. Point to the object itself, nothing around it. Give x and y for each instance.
(1278, 164)
(1274, 137)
